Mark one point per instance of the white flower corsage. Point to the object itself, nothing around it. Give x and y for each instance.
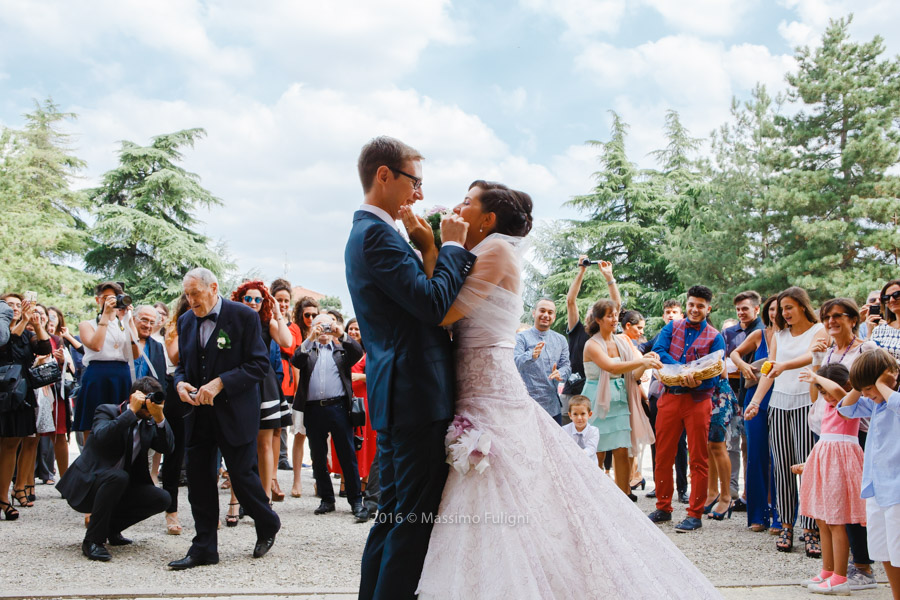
(467, 447)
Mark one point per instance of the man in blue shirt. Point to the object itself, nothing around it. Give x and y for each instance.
(542, 357)
(685, 407)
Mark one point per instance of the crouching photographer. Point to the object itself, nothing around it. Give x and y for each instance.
(111, 478)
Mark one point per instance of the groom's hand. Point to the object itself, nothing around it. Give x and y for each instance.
(418, 229)
(454, 229)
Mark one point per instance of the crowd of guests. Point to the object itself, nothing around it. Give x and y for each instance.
(118, 360)
(805, 408)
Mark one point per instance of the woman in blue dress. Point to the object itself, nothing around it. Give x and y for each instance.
(760, 479)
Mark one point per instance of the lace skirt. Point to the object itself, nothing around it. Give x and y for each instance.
(542, 521)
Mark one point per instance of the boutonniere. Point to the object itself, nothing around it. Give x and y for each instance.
(223, 341)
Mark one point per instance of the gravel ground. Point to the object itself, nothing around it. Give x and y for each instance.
(320, 554)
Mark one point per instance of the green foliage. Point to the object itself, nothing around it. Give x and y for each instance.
(144, 213)
(330, 303)
(43, 235)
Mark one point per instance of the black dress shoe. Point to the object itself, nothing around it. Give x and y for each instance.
(324, 507)
(651, 493)
(632, 497)
(190, 561)
(360, 512)
(263, 546)
(684, 498)
(284, 466)
(739, 506)
(117, 539)
(95, 551)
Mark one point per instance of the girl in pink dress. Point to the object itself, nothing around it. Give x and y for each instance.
(830, 486)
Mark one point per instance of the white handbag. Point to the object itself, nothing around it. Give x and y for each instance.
(46, 407)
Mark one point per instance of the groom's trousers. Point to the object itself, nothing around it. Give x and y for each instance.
(413, 466)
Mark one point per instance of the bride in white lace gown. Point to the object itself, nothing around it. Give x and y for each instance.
(525, 513)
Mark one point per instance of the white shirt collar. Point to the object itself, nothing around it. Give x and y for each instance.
(380, 213)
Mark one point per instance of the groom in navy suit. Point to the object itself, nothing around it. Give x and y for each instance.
(409, 367)
(222, 359)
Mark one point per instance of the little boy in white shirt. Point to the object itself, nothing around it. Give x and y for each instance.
(586, 436)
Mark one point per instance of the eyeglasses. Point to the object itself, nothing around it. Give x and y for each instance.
(888, 297)
(252, 299)
(309, 315)
(417, 182)
(836, 316)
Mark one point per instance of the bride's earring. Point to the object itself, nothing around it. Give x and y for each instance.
(481, 230)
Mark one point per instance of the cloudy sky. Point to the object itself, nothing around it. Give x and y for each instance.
(288, 91)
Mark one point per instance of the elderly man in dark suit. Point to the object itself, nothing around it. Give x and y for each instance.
(111, 479)
(323, 395)
(222, 359)
(409, 368)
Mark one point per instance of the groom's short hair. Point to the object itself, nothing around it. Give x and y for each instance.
(383, 150)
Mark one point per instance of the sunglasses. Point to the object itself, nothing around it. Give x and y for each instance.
(836, 316)
(252, 299)
(888, 297)
(309, 315)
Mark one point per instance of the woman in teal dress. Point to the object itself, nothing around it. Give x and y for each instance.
(612, 373)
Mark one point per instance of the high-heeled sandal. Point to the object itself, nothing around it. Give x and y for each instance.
(9, 511)
(22, 498)
(276, 495)
(232, 520)
(785, 541)
(709, 506)
(173, 527)
(813, 545)
(642, 484)
(31, 496)
(722, 515)
(757, 527)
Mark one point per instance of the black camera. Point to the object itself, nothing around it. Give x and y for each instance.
(123, 301)
(157, 397)
(588, 262)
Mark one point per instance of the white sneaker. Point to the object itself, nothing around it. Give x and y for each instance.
(841, 589)
(860, 580)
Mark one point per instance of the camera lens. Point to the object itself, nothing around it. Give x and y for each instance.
(157, 397)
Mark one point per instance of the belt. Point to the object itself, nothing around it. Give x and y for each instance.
(327, 401)
(839, 437)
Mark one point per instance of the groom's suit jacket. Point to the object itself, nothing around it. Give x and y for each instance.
(409, 366)
(241, 363)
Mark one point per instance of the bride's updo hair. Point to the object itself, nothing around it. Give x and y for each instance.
(511, 207)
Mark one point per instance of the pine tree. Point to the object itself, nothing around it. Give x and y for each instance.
(43, 235)
(145, 219)
(837, 204)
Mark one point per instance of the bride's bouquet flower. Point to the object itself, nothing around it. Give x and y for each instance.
(433, 216)
(467, 447)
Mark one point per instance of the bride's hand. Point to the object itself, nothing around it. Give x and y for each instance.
(418, 229)
(454, 229)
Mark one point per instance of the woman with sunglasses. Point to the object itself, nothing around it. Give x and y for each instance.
(274, 411)
(887, 333)
(305, 310)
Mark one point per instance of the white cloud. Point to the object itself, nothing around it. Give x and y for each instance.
(583, 17)
(287, 170)
(682, 72)
(710, 17)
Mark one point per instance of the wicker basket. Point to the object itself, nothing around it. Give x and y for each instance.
(702, 369)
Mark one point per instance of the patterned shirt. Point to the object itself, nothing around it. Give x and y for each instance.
(888, 338)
